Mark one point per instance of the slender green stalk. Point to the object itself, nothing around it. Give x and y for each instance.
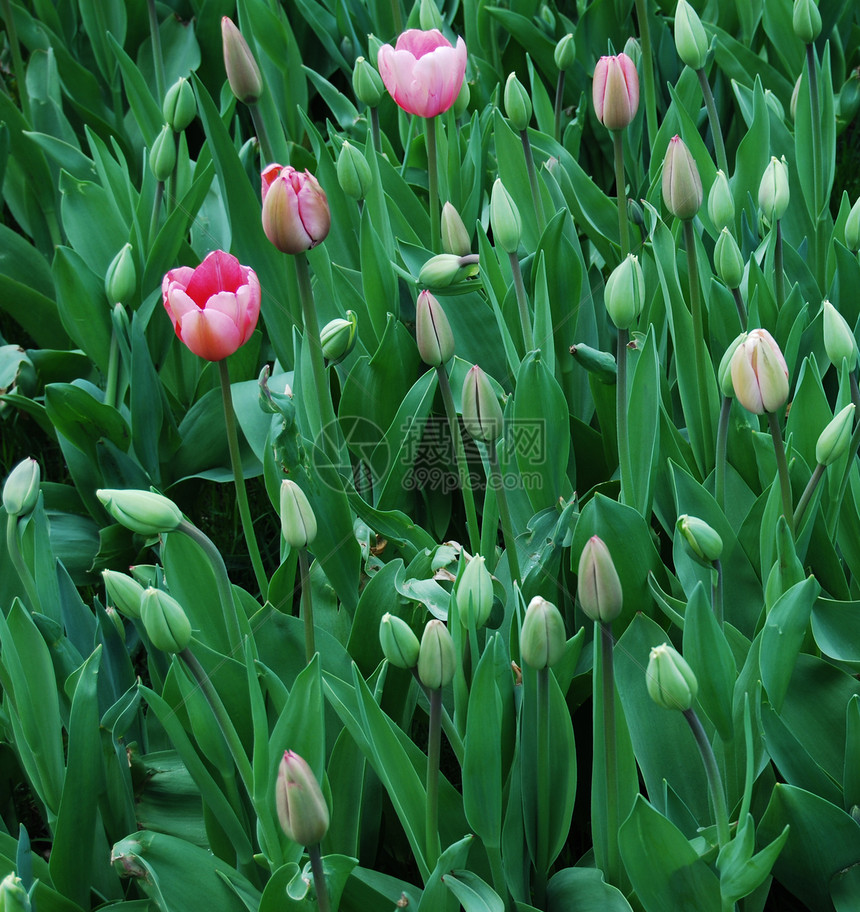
(715, 783)
(374, 129)
(433, 184)
(722, 443)
(621, 192)
(504, 514)
(606, 686)
(533, 181)
(397, 15)
(522, 304)
(266, 149)
(714, 120)
(307, 607)
(806, 496)
(624, 467)
(834, 507)
(782, 469)
(448, 726)
(13, 546)
(112, 371)
(225, 588)
(778, 270)
(717, 592)
(17, 60)
(542, 747)
(406, 144)
(648, 71)
(703, 362)
(462, 464)
(559, 103)
(239, 482)
(157, 55)
(739, 304)
(319, 878)
(817, 159)
(434, 743)
(156, 212)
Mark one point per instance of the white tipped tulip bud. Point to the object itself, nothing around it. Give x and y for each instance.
(243, 74)
(839, 341)
(21, 490)
(834, 439)
(773, 193)
(505, 219)
(518, 105)
(398, 641)
(475, 594)
(724, 373)
(165, 621)
(123, 592)
(759, 373)
(852, 227)
(542, 639)
(721, 203)
(691, 42)
(455, 237)
(670, 680)
(298, 523)
(625, 292)
(13, 896)
(598, 585)
(437, 656)
(144, 512)
(704, 541)
(728, 259)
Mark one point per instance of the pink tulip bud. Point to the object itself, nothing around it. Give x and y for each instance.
(296, 216)
(213, 308)
(682, 186)
(243, 74)
(423, 72)
(759, 373)
(615, 91)
(299, 801)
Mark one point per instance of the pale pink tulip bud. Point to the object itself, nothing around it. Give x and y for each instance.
(301, 807)
(296, 216)
(759, 373)
(615, 91)
(243, 74)
(682, 186)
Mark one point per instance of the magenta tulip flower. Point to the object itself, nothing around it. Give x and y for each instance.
(423, 72)
(213, 308)
(615, 91)
(296, 216)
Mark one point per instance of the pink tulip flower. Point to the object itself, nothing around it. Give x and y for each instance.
(423, 72)
(759, 373)
(213, 308)
(615, 91)
(296, 216)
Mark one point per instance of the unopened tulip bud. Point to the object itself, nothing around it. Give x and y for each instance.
(302, 811)
(461, 102)
(505, 219)
(437, 656)
(852, 227)
(144, 512)
(162, 155)
(337, 337)
(455, 237)
(633, 49)
(793, 103)
(21, 491)
(367, 83)
(625, 292)
(773, 194)
(704, 541)
(298, 523)
(599, 363)
(432, 331)
(774, 104)
(475, 594)
(615, 91)
(429, 16)
(518, 105)
(121, 277)
(721, 203)
(759, 373)
(691, 42)
(165, 621)
(542, 639)
(296, 215)
(724, 373)
(353, 172)
(398, 641)
(243, 74)
(598, 585)
(180, 106)
(728, 259)
(13, 896)
(806, 20)
(565, 52)
(834, 439)
(482, 414)
(116, 620)
(839, 341)
(670, 680)
(123, 592)
(682, 186)
(445, 269)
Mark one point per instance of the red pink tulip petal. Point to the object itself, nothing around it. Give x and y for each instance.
(210, 334)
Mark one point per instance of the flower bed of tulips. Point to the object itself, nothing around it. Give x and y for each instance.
(430, 445)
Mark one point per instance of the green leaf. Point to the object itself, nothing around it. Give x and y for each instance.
(436, 898)
(836, 628)
(473, 894)
(144, 108)
(643, 404)
(584, 890)
(82, 419)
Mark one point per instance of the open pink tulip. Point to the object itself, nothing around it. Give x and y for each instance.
(615, 91)
(759, 373)
(296, 216)
(423, 72)
(213, 308)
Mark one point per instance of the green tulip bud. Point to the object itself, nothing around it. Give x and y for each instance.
(806, 20)
(298, 523)
(834, 439)
(432, 331)
(367, 83)
(565, 52)
(728, 259)
(144, 512)
(542, 639)
(839, 341)
(482, 414)
(721, 203)
(773, 193)
(337, 337)
(598, 585)
(123, 592)
(704, 541)
(243, 74)
(600, 363)
(437, 656)
(398, 641)
(13, 896)
(461, 102)
(446, 269)
(121, 277)
(682, 186)
(116, 619)
(301, 807)
(724, 373)
(625, 292)
(21, 491)
(505, 219)
(180, 106)
(774, 104)
(793, 103)
(455, 237)
(162, 155)
(475, 594)
(429, 16)
(165, 621)
(353, 172)
(670, 680)
(852, 227)
(518, 105)
(691, 42)
(633, 49)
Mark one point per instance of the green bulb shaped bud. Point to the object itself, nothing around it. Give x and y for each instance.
(704, 541)
(338, 336)
(834, 439)
(505, 219)
(437, 656)
(475, 594)
(806, 20)
(144, 512)
(180, 106)
(565, 52)
(728, 259)
(625, 292)
(162, 155)
(482, 413)
(298, 522)
(123, 592)
(353, 172)
(721, 203)
(432, 331)
(598, 585)
(670, 680)
(21, 490)
(852, 227)
(455, 237)
(121, 277)
(543, 638)
(165, 621)
(773, 192)
(367, 83)
(518, 105)
(691, 42)
(398, 641)
(839, 341)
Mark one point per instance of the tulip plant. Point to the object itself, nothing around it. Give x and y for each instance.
(430, 465)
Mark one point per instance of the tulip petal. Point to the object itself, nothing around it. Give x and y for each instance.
(313, 210)
(220, 271)
(210, 334)
(268, 176)
(420, 43)
(178, 304)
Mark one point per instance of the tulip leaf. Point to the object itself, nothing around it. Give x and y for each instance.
(82, 306)
(836, 628)
(584, 890)
(643, 426)
(473, 894)
(144, 108)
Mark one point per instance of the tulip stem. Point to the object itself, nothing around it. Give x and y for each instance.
(374, 129)
(722, 443)
(778, 271)
(624, 468)
(448, 726)
(808, 491)
(714, 120)
(462, 464)
(157, 56)
(559, 104)
(522, 304)
(607, 775)
(13, 546)
(542, 785)
(315, 857)
(782, 469)
(113, 367)
(533, 181)
(156, 211)
(267, 152)
(498, 486)
(647, 70)
(715, 783)
(742, 311)
(820, 254)
(717, 592)
(307, 608)
(621, 192)
(239, 481)
(434, 743)
(433, 184)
